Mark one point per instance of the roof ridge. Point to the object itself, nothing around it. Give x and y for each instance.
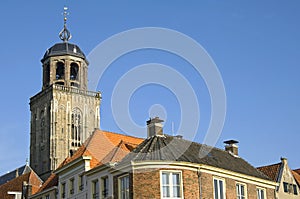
(104, 131)
(269, 165)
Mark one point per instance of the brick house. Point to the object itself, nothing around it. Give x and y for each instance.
(287, 179)
(71, 180)
(116, 166)
(21, 186)
(171, 167)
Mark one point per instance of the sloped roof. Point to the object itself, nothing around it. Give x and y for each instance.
(103, 147)
(16, 185)
(50, 182)
(296, 176)
(169, 148)
(297, 171)
(15, 173)
(100, 144)
(118, 152)
(272, 171)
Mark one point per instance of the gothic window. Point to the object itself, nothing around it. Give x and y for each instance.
(76, 128)
(42, 125)
(74, 71)
(60, 70)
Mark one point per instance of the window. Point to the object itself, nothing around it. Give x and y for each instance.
(240, 191)
(95, 189)
(60, 70)
(72, 186)
(295, 189)
(290, 188)
(171, 184)
(285, 187)
(47, 197)
(104, 187)
(260, 193)
(63, 190)
(124, 187)
(80, 183)
(219, 192)
(47, 74)
(76, 128)
(74, 71)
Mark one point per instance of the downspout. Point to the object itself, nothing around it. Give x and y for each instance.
(199, 182)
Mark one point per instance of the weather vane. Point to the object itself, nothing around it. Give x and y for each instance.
(65, 34)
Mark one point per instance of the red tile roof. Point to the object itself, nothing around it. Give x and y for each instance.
(103, 147)
(296, 176)
(101, 143)
(118, 152)
(272, 171)
(16, 185)
(50, 182)
(297, 171)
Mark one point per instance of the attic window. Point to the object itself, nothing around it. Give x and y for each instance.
(290, 188)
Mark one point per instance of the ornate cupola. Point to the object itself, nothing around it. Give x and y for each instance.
(64, 113)
(64, 63)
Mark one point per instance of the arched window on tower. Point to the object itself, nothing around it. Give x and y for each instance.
(76, 128)
(74, 71)
(60, 70)
(42, 127)
(47, 73)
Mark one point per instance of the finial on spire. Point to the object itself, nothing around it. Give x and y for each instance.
(65, 34)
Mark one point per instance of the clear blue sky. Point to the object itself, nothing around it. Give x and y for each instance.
(255, 44)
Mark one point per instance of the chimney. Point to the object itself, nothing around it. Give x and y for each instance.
(154, 127)
(231, 147)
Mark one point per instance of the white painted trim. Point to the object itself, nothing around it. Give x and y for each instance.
(161, 183)
(119, 187)
(262, 188)
(245, 188)
(224, 185)
(72, 163)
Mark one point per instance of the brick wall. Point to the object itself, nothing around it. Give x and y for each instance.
(145, 183)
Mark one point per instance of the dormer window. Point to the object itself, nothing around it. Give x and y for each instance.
(60, 70)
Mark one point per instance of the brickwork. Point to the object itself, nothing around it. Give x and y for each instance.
(146, 184)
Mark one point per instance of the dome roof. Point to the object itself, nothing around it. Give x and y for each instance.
(64, 48)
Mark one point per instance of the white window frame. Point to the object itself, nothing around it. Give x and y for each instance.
(171, 183)
(223, 196)
(238, 194)
(119, 186)
(258, 193)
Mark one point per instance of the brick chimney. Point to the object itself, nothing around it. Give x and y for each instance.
(231, 147)
(154, 126)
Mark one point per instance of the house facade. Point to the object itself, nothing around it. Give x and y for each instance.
(287, 188)
(161, 167)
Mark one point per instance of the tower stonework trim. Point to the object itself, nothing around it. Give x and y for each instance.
(64, 114)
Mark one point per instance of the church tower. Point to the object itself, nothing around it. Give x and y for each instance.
(64, 113)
